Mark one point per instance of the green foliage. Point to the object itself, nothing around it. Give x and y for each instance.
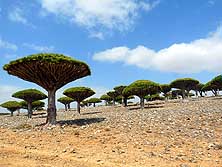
(106, 97)
(184, 84)
(141, 88)
(65, 100)
(119, 89)
(11, 105)
(113, 94)
(94, 100)
(43, 57)
(165, 88)
(49, 70)
(199, 86)
(154, 97)
(35, 105)
(217, 81)
(30, 95)
(79, 93)
(214, 84)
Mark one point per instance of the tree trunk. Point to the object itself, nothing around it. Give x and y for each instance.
(51, 111)
(113, 101)
(183, 93)
(106, 103)
(11, 113)
(196, 93)
(125, 101)
(18, 112)
(29, 109)
(66, 106)
(78, 107)
(214, 92)
(141, 103)
(94, 104)
(201, 93)
(69, 106)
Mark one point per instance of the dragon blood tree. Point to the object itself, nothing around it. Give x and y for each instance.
(142, 88)
(79, 94)
(165, 89)
(66, 101)
(94, 101)
(215, 85)
(35, 105)
(30, 95)
(199, 88)
(106, 98)
(12, 106)
(185, 84)
(50, 71)
(119, 90)
(113, 95)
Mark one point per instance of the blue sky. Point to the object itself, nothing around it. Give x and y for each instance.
(121, 40)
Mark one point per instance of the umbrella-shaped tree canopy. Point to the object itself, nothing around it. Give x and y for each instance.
(35, 105)
(11, 106)
(66, 101)
(113, 95)
(184, 84)
(79, 94)
(49, 70)
(94, 101)
(106, 98)
(141, 88)
(30, 95)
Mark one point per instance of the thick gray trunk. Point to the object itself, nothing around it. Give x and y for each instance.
(29, 109)
(69, 106)
(66, 107)
(78, 107)
(113, 101)
(11, 113)
(94, 104)
(18, 112)
(141, 103)
(183, 93)
(51, 111)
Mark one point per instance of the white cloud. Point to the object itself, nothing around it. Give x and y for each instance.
(110, 14)
(7, 45)
(39, 48)
(98, 35)
(199, 55)
(17, 15)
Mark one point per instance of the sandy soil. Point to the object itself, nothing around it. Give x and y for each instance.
(167, 134)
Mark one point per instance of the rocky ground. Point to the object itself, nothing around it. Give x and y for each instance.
(167, 134)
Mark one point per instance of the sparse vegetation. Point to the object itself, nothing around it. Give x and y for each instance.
(185, 84)
(79, 94)
(142, 88)
(12, 106)
(94, 101)
(66, 101)
(29, 95)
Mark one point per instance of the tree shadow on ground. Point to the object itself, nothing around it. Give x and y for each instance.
(89, 113)
(81, 122)
(39, 115)
(4, 114)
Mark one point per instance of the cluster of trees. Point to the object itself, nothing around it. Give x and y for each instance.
(31, 101)
(53, 71)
